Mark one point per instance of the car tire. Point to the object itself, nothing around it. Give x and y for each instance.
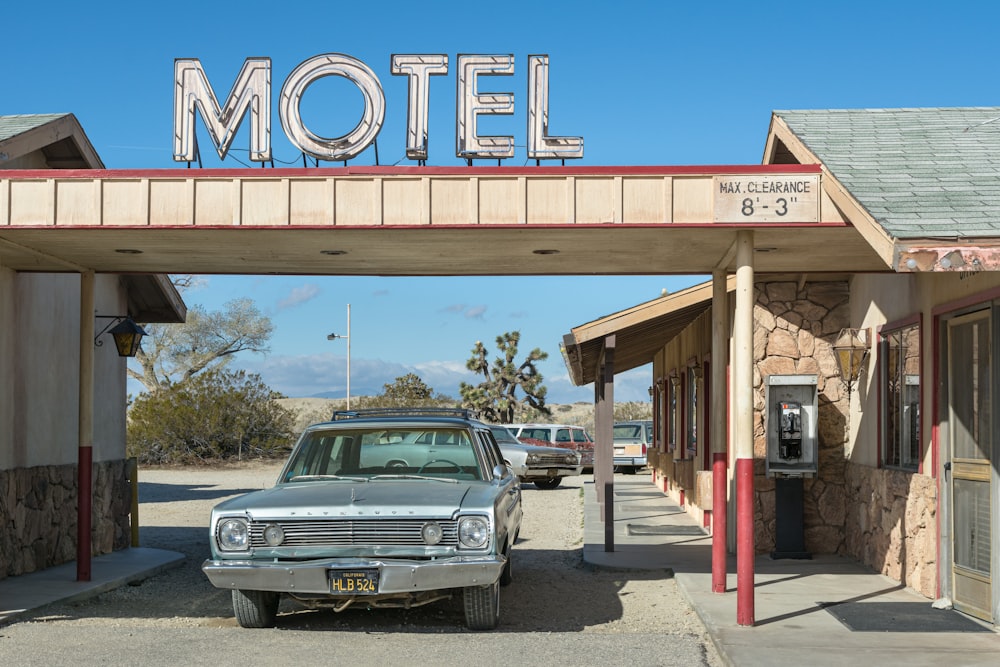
(256, 609)
(630, 470)
(546, 484)
(507, 574)
(482, 606)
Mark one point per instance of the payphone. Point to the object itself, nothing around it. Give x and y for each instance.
(792, 454)
(789, 430)
(791, 404)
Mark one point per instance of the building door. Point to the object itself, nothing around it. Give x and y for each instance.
(970, 478)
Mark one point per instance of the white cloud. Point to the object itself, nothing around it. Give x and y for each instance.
(298, 296)
(475, 312)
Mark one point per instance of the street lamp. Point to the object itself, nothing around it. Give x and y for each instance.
(346, 337)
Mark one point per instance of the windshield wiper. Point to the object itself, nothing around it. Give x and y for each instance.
(308, 478)
(406, 476)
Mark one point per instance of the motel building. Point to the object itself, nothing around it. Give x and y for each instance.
(830, 389)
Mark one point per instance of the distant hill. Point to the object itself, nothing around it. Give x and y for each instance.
(311, 410)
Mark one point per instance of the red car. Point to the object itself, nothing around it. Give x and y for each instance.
(558, 435)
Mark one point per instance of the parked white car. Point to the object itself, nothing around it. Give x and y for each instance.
(542, 466)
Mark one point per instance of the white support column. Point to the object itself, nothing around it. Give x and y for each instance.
(743, 428)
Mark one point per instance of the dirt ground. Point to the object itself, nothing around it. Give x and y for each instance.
(553, 589)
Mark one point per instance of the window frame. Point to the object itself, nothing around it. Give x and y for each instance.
(900, 394)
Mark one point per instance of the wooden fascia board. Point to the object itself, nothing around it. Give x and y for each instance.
(616, 322)
(860, 219)
(923, 255)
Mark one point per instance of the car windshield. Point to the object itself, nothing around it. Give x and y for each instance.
(628, 431)
(383, 453)
(503, 435)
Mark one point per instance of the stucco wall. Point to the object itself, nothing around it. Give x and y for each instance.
(39, 407)
(39, 358)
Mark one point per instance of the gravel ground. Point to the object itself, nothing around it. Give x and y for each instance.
(554, 591)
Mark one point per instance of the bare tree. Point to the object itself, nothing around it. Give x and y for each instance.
(172, 353)
(495, 398)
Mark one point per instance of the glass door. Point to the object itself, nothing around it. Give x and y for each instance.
(970, 426)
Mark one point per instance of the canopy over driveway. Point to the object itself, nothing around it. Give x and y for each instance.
(407, 221)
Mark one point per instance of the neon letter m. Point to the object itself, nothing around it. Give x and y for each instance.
(192, 92)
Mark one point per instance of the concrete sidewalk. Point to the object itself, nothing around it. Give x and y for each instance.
(796, 602)
(27, 592)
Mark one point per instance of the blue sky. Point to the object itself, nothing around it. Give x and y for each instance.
(642, 82)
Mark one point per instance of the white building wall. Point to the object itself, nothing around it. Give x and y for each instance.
(39, 361)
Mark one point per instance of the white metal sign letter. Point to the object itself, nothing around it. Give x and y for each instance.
(540, 145)
(418, 69)
(470, 105)
(336, 148)
(251, 92)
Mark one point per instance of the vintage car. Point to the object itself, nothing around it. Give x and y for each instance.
(558, 435)
(543, 466)
(630, 440)
(379, 508)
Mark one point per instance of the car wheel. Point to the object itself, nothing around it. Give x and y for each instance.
(507, 575)
(256, 609)
(629, 470)
(550, 483)
(482, 606)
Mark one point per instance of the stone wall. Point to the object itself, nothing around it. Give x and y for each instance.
(38, 515)
(883, 518)
(892, 524)
(793, 332)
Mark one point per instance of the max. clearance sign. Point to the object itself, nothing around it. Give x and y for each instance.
(251, 94)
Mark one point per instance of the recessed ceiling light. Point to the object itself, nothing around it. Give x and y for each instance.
(546, 251)
(128, 251)
(333, 252)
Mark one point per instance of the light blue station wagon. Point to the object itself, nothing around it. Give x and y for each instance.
(385, 508)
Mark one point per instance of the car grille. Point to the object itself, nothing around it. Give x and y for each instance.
(552, 460)
(346, 532)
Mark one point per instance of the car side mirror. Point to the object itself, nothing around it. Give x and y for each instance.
(500, 471)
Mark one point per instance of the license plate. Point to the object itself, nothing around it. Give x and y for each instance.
(353, 582)
(619, 450)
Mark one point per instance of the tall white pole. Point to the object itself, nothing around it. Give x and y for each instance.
(348, 356)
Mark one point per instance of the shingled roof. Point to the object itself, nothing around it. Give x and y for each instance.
(920, 173)
(11, 126)
(58, 137)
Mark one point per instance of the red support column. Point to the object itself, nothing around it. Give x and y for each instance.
(744, 542)
(719, 522)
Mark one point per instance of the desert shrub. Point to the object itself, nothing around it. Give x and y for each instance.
(213, 416)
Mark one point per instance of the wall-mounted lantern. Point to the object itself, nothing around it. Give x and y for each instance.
(127, 334)
(851, 349)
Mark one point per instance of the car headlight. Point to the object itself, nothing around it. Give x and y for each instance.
(533, 458)
(233, 535)
(572, 459)
(274, 535)
(431, 533)
(473, 532)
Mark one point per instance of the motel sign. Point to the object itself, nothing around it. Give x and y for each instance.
(251, 95)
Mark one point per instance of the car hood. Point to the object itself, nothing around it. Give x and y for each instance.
(534, 449)
(343, 498)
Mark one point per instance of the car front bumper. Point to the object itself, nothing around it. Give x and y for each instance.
(631, 461)
(550, 473)
(395, 575)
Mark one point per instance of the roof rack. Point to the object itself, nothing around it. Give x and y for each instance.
(461, 413)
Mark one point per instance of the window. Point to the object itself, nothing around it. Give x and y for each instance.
(673, 412)
(899, 374)
(691, 411)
